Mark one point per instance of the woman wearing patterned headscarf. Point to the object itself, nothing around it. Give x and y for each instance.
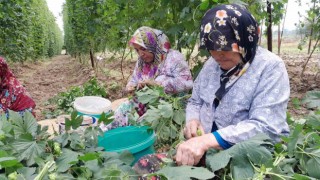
(13, 95)
(157, 64)
(241, 91)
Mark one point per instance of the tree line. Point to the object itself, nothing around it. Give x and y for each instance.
(94, 26)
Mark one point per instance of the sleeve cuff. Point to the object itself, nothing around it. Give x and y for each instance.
(223, 143)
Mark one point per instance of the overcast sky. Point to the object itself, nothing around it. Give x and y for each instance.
(56, 8)
(292, 16)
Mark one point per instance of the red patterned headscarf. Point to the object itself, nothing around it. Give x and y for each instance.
(13, 95)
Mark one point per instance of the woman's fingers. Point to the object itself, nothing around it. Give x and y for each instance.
(179, 155)
(192, 128)
(186, 133)
(141, 85)
(184, 156)
(189, 152)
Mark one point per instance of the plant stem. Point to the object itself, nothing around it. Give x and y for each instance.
(44, 170)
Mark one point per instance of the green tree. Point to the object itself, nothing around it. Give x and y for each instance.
(92, 26)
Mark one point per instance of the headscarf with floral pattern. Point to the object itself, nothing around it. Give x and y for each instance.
(230, 28)
(156, 42)
(12, 94)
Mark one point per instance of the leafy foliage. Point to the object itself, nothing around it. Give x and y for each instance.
(27, 153)
(185, 172)
(28, 30)
(297, 157)
(100, 25)
(241, 156)
(64, 100)
(165, 114)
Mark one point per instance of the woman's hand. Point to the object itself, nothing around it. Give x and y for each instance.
(148, 82)
(131, 89)
(191, 151)
(193, 129)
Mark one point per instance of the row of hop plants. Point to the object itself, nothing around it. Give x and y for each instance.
(28, 30)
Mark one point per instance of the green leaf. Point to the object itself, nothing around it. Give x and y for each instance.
(89, 157)
(313, 121)
(148, 95)
(179, 116)
(112, 174)
(241, 168)
(173, 131)
(76, 141)
(106, 118)
(185, 172)
(312, 99)
(91, 136)
(64, 139)
(313, 164)
(27, 172)
(294, 137)
(259, 155)
(74, 122)
(152, 115)
(302, 177)
(65, 161)
(204, 5)
(24, 125)
(217, 160)
(8, 161)
(126, 157)
(296, 103)
(240, 155)
(28, 149)
(14, 117)
(165, 109)
(93, 165)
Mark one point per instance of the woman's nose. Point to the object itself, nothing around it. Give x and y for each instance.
(220, 54)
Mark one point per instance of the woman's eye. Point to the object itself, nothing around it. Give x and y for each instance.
(143, 49)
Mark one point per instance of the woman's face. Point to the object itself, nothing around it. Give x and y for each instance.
(226, 59)
(143, 53)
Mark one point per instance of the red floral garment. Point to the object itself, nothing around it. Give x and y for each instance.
(13, 95)
(149, 164)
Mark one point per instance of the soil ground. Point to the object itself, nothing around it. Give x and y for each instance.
(45, 79)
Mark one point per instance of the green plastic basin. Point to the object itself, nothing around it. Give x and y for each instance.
(138, 140)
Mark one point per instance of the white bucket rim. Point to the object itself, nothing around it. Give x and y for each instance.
(84, 110)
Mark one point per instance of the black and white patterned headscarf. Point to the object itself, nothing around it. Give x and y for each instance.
(230, 28)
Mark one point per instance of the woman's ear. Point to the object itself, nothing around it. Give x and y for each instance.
(258, 30)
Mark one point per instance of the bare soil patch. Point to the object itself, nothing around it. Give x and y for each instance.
(46, 79)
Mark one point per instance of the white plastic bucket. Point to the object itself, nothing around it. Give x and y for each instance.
(92, 106)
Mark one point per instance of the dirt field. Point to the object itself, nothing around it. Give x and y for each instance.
(44, 80)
